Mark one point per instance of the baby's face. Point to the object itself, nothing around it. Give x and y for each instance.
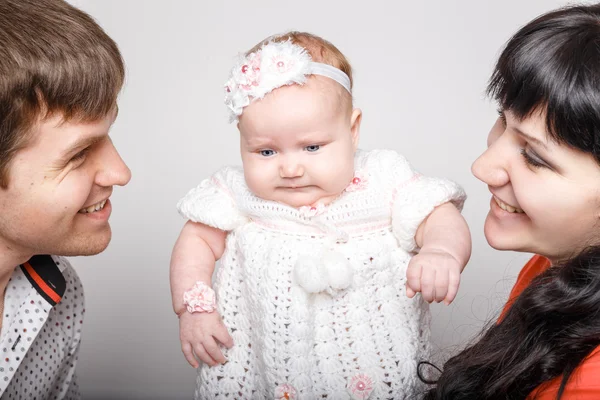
(298, 143)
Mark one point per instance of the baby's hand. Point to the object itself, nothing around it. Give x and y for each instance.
(435, 273)
(197, 332)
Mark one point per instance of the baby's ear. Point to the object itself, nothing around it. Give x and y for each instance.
(355, 121)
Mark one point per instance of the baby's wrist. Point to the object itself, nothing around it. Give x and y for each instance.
(435, 249)
(199, 298)
(445, 250)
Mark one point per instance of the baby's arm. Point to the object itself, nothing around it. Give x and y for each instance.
(193, 259)
(197, 249)
(445, 243)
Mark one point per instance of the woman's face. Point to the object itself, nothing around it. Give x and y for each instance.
(545, 195)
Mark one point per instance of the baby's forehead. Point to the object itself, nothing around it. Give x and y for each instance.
(297, 111)
(328, 87)
(314, 101)
(326, 95)
(293, 136)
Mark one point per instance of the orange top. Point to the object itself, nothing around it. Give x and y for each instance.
(584, 383)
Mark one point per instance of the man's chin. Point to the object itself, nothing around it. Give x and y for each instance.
(88, 245)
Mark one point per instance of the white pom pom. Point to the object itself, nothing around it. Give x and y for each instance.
(309, 274)
(338, 269)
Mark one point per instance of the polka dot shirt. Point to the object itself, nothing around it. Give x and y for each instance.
(39, 343)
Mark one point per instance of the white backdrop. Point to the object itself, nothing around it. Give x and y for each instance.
(421, 69)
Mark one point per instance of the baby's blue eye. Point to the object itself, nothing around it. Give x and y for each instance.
(312, 148)
(267, 153)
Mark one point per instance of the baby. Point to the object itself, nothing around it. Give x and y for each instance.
(322, 246)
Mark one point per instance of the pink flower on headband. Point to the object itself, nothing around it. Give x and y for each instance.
(281, 64)
(200, 298)
(274, 65)
(254, 75)
(251, 71)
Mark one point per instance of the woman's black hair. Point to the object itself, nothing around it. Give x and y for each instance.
(552, 66)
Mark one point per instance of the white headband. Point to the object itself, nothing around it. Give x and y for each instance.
(272, 66)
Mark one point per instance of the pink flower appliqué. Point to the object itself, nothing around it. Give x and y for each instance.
(285, 392)
(200, 298)
(312, 211)
(359, 182)
(360, 387)
(251, 71)
(282, 64)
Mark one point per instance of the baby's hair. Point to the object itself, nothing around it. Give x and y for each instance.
(319, 49)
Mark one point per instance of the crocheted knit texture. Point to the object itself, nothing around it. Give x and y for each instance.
(360, 341)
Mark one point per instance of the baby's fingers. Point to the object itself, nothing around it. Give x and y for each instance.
(223, 336)
(453, 284)
(186, 348)
(413, 278)
(428, 284)
(441, 285)
(213, 350)
(203, 355)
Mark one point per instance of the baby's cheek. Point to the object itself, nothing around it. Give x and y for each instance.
(260, 183)
(255, 184)
(251, 177)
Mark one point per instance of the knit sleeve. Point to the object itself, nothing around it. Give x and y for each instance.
(415, 199)
(212, 202)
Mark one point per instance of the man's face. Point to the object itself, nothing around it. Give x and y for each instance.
(57, 199)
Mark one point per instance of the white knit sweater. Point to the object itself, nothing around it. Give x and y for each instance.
(315, 300)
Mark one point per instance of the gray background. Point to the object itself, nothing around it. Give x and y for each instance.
(420, 74)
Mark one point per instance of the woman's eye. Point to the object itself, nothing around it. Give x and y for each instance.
(530, 160)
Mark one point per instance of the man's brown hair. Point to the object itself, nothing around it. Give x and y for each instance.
(54, 59)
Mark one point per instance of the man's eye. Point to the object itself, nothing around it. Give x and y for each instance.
(81, 155)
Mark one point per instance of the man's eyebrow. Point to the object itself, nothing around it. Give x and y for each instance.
(82, 143)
